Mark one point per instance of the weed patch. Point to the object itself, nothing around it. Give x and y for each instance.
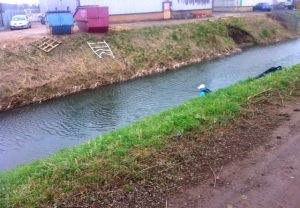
(128, 155)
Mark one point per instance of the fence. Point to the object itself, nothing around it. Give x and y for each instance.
(6, 16)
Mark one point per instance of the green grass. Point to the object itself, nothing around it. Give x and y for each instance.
(265, 34)
(102, 160)
(159, 46)
(162, 45)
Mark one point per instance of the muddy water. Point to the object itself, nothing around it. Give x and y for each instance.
(37, 131)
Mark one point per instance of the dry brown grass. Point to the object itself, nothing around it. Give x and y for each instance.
(30, 75)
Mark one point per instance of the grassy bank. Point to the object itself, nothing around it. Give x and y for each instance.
(73, 67)
(119, 159)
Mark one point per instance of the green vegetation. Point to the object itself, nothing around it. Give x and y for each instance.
(138, 52)
(123, 153)
(263, 30)
(160, 46)
(265, 34)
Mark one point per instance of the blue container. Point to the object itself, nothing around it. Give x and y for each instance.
(60, 22)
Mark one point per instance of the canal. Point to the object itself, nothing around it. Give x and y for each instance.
(39, 130)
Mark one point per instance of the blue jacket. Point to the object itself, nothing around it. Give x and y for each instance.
(204, 91)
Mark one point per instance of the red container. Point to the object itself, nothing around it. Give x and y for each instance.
(92, 19)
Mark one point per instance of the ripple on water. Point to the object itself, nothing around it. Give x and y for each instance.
(36, 131)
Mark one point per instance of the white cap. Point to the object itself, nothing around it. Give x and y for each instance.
(201, 87)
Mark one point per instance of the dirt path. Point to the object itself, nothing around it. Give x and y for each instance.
(269, 177)
(216, 15)
(18, 37)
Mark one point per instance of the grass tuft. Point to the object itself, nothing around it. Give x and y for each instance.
(120, 154)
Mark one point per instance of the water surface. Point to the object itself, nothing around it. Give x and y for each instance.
(35, 131)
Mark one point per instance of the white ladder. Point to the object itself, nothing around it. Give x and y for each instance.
(101, 49)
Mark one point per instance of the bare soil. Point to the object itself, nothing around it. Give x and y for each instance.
(19, 37)
(268, 177)
(252, 162)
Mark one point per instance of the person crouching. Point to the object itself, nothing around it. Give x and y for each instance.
(203, 90)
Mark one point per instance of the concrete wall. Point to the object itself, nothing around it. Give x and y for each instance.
(196, 5)
(225, 3)
(141, 10)
(146, 6)
(133, 10)
(127, 6)
(119, 18)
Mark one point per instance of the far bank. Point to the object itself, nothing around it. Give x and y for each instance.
(30, 75)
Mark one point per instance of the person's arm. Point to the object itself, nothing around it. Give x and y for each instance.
(207, 90)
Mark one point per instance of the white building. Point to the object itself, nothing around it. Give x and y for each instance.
(137, 10)
(58, 5)
(240, 5)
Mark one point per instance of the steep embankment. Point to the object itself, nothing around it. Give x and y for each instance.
(29, 75)
(137, 166)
